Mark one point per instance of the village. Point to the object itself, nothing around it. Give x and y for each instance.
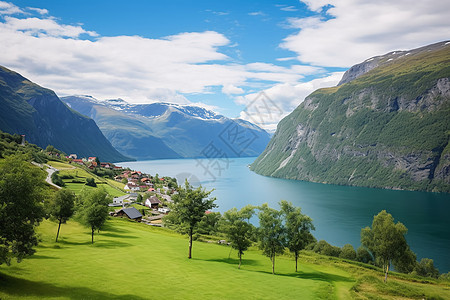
(147, 197)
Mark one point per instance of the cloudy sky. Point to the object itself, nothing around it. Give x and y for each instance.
(217, 54)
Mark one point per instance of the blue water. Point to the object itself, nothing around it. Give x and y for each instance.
(338, 212)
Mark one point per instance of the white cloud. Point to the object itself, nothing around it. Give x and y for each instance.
(134, 68)
(288, 8)
(359, 29)
(7, 8)
(41, 11)
(230, 89)
(286, 97)
(257, 13)
(36, 26)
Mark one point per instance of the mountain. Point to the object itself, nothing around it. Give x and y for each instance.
(386, 125)
(164, 130)
(45, 120)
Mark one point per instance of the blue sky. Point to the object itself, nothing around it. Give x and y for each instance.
(216, 54)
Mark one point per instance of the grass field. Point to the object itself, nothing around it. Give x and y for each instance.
(135, 261)
(79, 175)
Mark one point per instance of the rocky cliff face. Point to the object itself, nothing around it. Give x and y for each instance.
(39, 114)
(386, 125)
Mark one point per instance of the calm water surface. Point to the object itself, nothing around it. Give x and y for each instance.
(338, 212)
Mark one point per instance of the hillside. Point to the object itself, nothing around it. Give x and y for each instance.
(163, 130)
(386, 125)
(118, 266)
(40, 115)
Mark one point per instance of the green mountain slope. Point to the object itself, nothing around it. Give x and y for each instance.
(387, 126)
(39, 114)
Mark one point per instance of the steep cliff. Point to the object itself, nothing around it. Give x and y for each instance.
(386, 125)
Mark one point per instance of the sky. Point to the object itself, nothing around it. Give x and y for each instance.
(256, 60)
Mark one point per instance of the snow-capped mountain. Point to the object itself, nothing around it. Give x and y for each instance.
(166, 130)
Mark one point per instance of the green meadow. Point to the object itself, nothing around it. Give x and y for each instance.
(135, 261)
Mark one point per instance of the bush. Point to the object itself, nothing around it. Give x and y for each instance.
(325, 248)
(363, 255)
(91, 182)
(348, 252)
(426, 268)
(57, 180)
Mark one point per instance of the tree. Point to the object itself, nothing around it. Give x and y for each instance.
(90, 182)
(209, 223)
(189, 207)
(21, 210)
(426, 268)
(94, 209)
(298, 229)
(385, 240)
(348, 252)
(62, 207)
(363, 255)
(271, 233)
(238, 230)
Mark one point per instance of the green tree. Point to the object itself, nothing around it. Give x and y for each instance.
(239, 231)
(94, 209)
(90, 182)
(348, 252)
(405, 263)
(21, 197)
(62, 207)
(298, 229)
(271, 233)
(209, 223)
(385, 240)
(189, 208)
(363, 255)
(426, 268)
(56, 179)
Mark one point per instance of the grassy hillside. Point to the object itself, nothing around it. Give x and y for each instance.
(388, 128)
(75, 178)
(136, 261)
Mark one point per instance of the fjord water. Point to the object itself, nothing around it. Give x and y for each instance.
(338, 212)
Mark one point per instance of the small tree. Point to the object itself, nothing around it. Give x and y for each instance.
(426, 268)
(91, 182)
(348, 252)
(362, 255)
(385, 240)
(62, 207)
(189, 207)
(21, 210)
(271, 233)
(298, 229)
(94, 210)
(238, 230)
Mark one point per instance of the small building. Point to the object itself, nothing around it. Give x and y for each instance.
(131, 213)
(152, 202)
(118, 201)
(164, 210)
(92, 158)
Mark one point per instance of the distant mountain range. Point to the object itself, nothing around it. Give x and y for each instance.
(163, 130)
(387, 124)
(36, 112)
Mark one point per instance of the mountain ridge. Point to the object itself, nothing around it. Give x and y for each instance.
(184, 131)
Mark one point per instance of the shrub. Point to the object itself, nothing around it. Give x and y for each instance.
(348, 252)
(91, 182)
